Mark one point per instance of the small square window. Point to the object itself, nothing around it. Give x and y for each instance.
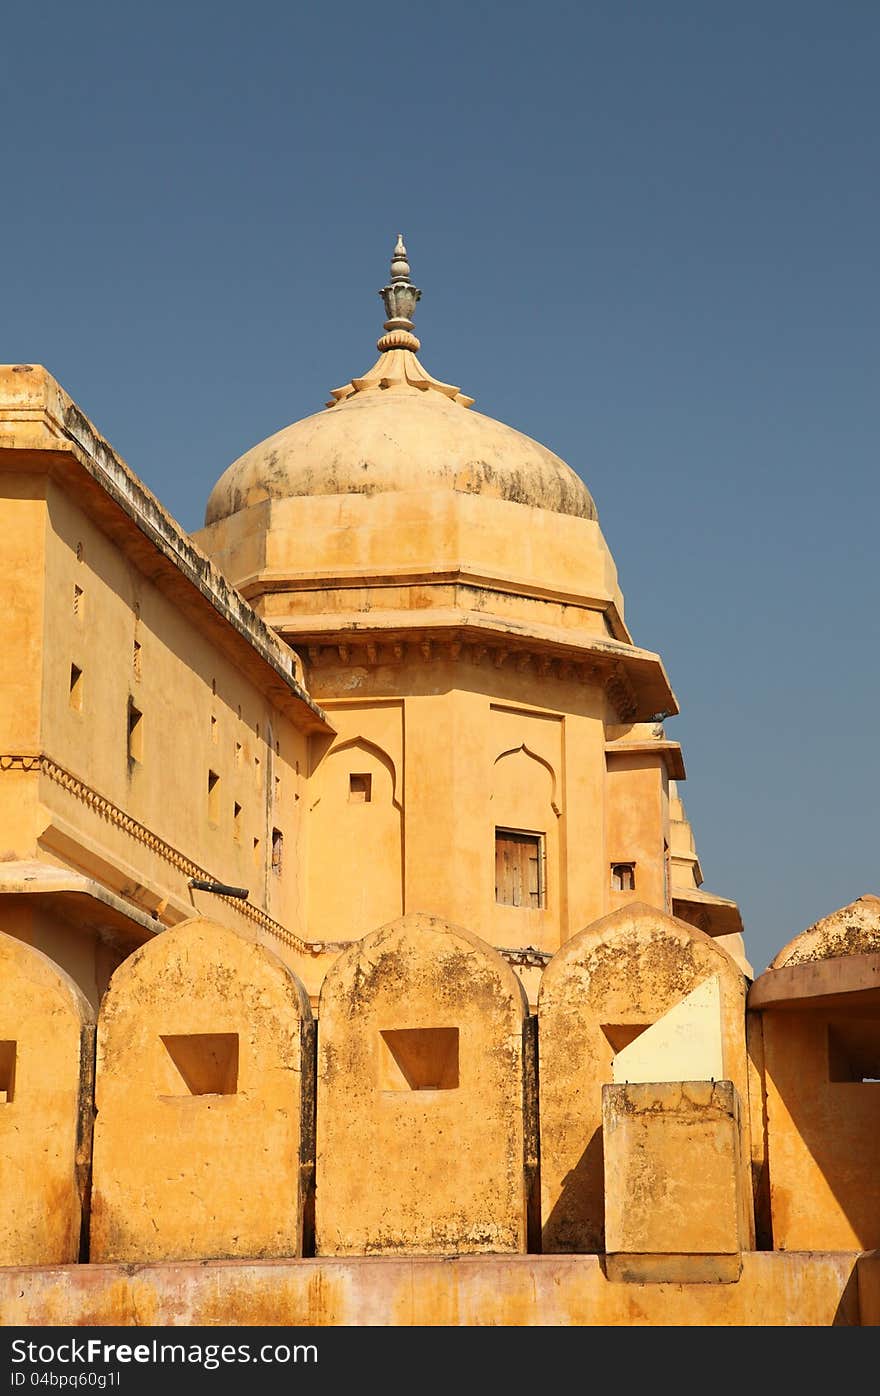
(277, 851)
(419, 1059)
(135, 733)
(360, 789)
(213, 797)
(7, 1072)
(76, 688)
(623, 877)
(207, 1062)
(854, 1050)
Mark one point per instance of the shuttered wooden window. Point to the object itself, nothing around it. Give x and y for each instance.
(519, 868)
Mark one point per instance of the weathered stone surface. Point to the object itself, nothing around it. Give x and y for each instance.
(201, 1102)
(673, 1181)
(420, 1096)
(46, 1059)
(599, 991)
(775, 1290)
(853, 930)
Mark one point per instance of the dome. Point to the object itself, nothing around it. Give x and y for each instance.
(398, 429)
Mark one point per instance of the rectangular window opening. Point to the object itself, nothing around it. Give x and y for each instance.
(257, 853)
(236, 820)
(215, 736)
(136, 659)
(360, 788)
(419, 1059)
(854, 1051)
(213, 797)
(277, 851)
(238, 753)
(76, 688)
(520, 878)
(7, 1072)
(77, 600)
(623, 877)
(135, 733)
(207, 1062)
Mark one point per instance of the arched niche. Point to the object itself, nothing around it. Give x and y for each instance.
(355, 841)
(525, 813)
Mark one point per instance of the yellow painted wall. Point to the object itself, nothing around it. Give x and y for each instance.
(637, 827)
(45, 1091)
(22, 561)
(420, 1101)
(202, 1090)
(823, 1136)
(465, 748)
(355, 846)
(625, 971)
(200, 714)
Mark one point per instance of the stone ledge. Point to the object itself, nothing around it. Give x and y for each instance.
(776, 1289)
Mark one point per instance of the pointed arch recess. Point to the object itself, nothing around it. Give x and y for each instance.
(380, 754)
(512, 751)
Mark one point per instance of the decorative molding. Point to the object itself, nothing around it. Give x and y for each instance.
(373, 653)
(533, 756)
(621, 693)
(20, 763)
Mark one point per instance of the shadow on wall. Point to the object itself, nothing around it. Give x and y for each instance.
(578, 1214)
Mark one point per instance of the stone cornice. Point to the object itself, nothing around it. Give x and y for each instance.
(484, 647)
(669, 752)
(479, 641)
(276, 581)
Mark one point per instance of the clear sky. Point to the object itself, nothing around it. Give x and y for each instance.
(646, 234)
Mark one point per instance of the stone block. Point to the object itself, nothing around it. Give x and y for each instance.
(673, 1209)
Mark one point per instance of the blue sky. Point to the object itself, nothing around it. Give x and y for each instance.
(646, 234)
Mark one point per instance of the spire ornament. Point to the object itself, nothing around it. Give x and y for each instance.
(400, 298)
(397, 367)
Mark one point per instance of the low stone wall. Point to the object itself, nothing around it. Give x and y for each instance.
(774, 1290)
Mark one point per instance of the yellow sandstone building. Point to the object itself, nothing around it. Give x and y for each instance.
(352, 928)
